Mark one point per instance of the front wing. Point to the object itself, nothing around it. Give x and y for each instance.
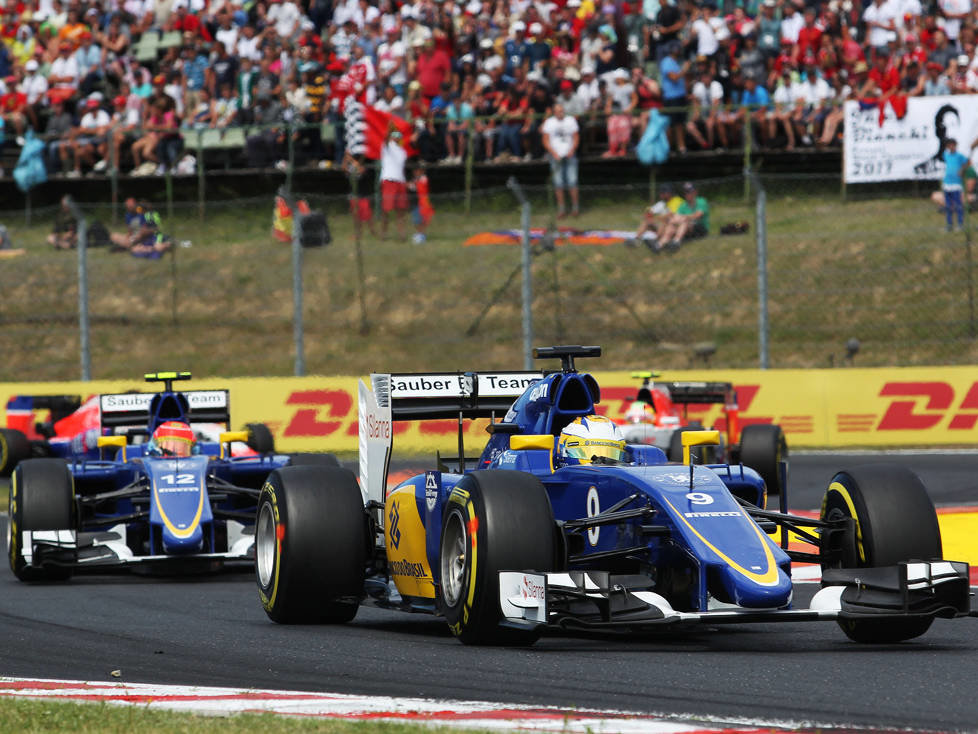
(105, 550)
(598, 600)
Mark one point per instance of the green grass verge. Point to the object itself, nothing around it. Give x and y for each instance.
(876, 270)
(29, 716)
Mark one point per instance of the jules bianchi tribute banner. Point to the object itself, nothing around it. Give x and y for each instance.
(908, 148)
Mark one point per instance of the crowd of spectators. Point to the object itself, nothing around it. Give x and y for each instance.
(475, 76)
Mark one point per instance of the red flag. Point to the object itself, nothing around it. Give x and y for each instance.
(367, 129)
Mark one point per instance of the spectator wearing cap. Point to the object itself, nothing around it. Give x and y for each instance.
(89, 134)
(561, 138)
(124, 122)
(814, 97)
(57, 131)
(393, 181)
(516, 50)
(621, 102)
(413, 33)
(538, 51)
(567, 97)
(431, 68)
(64, 75)
(89, 59)
(750, 58)
(936, 83)
(955, 164)
(691, 220)
(769, 29)
(34, 85)
(674, 95)
(392, 61)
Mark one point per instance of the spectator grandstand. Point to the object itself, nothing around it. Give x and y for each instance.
(266, 82)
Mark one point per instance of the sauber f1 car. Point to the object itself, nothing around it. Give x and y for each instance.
(660, 414)
(547, 529)
(123, 497)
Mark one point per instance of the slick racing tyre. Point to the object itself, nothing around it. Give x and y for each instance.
(260, 438)
(14, 448)
(310, 545)
(311, 459)
(42, 497)
(895, 521)
(494, 521)
(763, 448)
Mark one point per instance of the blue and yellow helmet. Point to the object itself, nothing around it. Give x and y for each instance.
(591, 436)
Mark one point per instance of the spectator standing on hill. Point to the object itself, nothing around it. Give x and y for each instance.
(561, 137)
(955, 164)
(674, 94)
(393, 183)
(432, 67)
(769, 29)
(423, 210)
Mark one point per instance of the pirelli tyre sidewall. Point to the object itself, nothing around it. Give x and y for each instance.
(310, 545)
(14, 448)
(42, 497)
(494, 521)
(763, 447)
(894, 521)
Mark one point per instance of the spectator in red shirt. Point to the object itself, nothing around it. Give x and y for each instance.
(183, 21)
(809, 37)
(431, 68)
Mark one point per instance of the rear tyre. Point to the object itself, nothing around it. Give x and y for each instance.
(895, 521)
(311, 459)
(310, 545)
(260, 438)
(499, 521)
(763, 448)
(42, 497)
(698, 454)
(14, 448)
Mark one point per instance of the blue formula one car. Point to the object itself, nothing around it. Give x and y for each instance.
(142, 489)
(561, 524)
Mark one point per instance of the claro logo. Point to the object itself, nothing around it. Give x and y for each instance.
(921, 405)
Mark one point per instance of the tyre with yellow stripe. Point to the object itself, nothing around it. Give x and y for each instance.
(894, 521)
(14, 448)
(495, 520)
(42, 497)
(310, 545)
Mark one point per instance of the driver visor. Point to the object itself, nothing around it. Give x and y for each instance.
(588, 448)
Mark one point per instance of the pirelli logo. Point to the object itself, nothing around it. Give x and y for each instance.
(714, 514)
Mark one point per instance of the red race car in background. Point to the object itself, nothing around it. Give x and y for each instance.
(659, 415)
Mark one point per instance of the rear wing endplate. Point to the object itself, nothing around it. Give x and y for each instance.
(428, 396)
(131, 409)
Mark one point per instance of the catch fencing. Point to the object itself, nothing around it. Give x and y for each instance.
(830, 278)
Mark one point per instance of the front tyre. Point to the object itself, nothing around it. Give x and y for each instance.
(42, 497)
(14, 448)
(894, 521)
(495, 520)
(310, 545)
(763, 448)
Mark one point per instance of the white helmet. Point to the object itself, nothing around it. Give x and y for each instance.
(592, 436)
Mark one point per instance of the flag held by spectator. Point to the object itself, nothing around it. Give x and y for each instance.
(366, 129)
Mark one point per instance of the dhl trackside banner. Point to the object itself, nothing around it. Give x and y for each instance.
(913, 407)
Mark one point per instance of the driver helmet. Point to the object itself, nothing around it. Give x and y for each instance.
(640, 412)
(173, 438)
(591, 436)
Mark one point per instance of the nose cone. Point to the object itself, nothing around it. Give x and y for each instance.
(746, 592)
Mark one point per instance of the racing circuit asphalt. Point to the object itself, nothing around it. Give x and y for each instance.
(212, 631)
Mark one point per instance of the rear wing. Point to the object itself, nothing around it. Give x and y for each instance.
(428, 396)
(134, 409)
(700, 393)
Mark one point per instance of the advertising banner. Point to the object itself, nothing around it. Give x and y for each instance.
(899, 407)
(909, 148)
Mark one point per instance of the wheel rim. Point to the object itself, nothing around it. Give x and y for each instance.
(265, 544)
(453, 558)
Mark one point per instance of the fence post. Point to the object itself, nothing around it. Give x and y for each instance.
(748, 138)
(83, 340)
(201, 183)
(469, 161)
(298, 332)
(114, 173)
(762, 315)
(517, 190)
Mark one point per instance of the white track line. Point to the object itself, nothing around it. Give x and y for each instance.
(467, 714)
